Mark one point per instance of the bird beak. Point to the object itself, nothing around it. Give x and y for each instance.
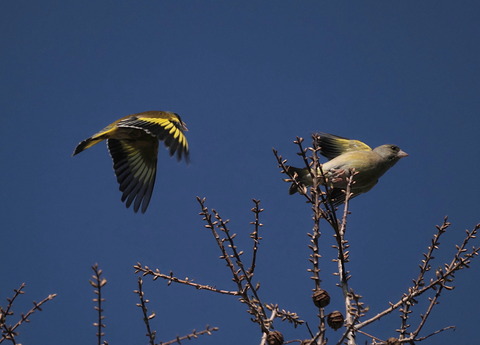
(402, 154)
(184, 126)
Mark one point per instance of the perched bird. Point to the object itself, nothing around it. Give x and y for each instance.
(345, 155)
(133, 145)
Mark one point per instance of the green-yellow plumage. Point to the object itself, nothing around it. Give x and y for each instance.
(133, 145)
(345, 155)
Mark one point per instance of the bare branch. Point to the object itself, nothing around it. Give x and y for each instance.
(255, 235)
(243, 280)
(272, 317)
(98, 282)
(9, 332)
(193, 335)
(285, 315)
(436, 332)
(461, 259)
(433, 302)
(146, 318)
(186, 281)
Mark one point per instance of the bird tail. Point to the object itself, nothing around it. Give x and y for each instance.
(301, 175)
(86, 144)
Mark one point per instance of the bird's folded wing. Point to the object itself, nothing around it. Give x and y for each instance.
(332, 146)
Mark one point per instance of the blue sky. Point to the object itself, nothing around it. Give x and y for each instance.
(246, 77)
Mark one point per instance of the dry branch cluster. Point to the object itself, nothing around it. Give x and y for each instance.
(98, 282)
(356, 312)
(10, 331)
(243, 273)
(352, 318)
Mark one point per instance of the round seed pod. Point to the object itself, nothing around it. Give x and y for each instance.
(335, 319)
(321, 298)
(275, 338)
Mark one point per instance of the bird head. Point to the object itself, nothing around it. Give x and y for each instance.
(390, 152)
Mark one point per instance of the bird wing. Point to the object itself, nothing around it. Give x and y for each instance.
(168, 129)
(332, 146)
(135, 165)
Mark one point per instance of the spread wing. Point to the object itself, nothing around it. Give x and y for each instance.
(135, 165)
(168, 129)
(332, 146)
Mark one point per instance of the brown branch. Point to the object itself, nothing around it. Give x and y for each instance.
(434, 333)
(98, 282)
(255, 235)
(241, 275)
(193, 335)
(433, 302)
(342, 259)
(255, 305)
(8, 334)
(171, 278)
(425, 267)
(356, 309)
(318, 214)
(146, 318)
(9, 331)
(212, 225)
(370, 336)
(461, 260)
(272, 317)
(285, 315)
(17, 292)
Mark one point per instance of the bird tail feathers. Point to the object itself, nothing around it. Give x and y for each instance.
(302, 176)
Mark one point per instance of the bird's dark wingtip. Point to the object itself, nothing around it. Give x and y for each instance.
(82, 146)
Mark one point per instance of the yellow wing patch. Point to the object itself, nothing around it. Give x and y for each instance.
(332, 146)
(168, 129)
(133, 144)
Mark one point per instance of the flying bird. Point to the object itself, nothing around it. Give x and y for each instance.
(133, 145)
(345, 155)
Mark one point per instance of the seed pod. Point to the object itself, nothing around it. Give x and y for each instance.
(335, 319)
(321, 298)
(275, 338)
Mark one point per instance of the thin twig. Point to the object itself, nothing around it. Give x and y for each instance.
(342, 259)
(186, 281)
(461, 260)
(193, 335)
(9, 331)
(370, 336)
(212, 225)
(17, 292)
(285, 315)
(98, 282)
(256, 307)
(317, 216)
(255, 234)
(146, 318)
(433, 302)
(434, 333)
